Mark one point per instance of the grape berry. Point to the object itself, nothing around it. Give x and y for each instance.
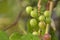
(41, 18)
(47, 14)
(42, 25)
(33, 22)
(28, 9)
(33, 14)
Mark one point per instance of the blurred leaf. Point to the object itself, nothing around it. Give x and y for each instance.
(3, 36)
(53, 35)
(15, 36)
(43, 2)
(29, 37)
(3, 6)
(32, 2)
(58, 9)
(9, 8)
(21, 26)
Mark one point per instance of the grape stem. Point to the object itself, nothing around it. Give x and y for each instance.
(47, 29)
(47, 5)
(51, 6)
(39, 6)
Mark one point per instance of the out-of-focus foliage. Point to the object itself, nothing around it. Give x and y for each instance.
(4, 22)
(34, 2)
(9, 8)
(57, 9)
(30, 37)
(53, 35)
(15, 36)
(3, 36)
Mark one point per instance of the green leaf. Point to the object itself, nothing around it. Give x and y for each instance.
(29, 37)
(3, 36)
(15, 36)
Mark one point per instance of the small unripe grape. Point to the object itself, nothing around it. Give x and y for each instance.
(41, 18)
(35, 33)
(28, 9)
(47, 37)
(33, 22)
(47, 14)
(42, 24)
(48, 20)
(34, 13)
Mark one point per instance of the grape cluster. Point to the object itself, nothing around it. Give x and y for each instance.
(41, 20)
(33, 13)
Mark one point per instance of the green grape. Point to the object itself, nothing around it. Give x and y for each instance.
(28, 9)
(41, 18)
(47, 14)
(42, 25)
(33, 22)
(34, 13)
(48, 20)
(35, 33)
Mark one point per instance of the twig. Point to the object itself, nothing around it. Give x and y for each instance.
(16, 20)
(51, 6)
(47, 29)
(39, 6)
(48, 4)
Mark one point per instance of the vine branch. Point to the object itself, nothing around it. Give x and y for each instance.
(16, 20)
(39, 6)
